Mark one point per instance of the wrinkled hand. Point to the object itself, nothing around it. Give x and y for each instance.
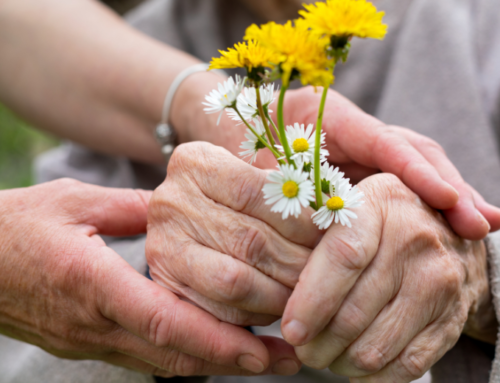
(212, 240)
(383, 301)
(362, 145)
(63, 290)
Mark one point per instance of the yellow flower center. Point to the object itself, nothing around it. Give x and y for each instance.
(290, 189)
(335, 203)
(300, 145)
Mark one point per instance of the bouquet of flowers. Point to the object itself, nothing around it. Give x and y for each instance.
(308, 50)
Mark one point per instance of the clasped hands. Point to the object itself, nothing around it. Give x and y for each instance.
(380, 302)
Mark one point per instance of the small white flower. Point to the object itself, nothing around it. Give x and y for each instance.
(253, 145)
(302, 143)
(225, 96)
(288, 190)
(329, 175)
(343, 197)
(247, 102)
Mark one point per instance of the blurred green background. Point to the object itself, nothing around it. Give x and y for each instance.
(19, 145)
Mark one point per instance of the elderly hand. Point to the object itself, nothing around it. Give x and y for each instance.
(212, 240)
(63, 290)
(362, 145)
(383, 301)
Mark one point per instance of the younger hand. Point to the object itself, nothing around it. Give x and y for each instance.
(63, 290)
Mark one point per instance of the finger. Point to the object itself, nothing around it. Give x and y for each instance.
(422, 300)
(237, 185)
(156, 315)
(418, 357)
(117, 212)
(220, 228)
(464, 218)
(131, 363)
(167, 362)
(382, 342)
(353, 135)
(490, 213)
(223, 279)
(358, 311)
(331, 272)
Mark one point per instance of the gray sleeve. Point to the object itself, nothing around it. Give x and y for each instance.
(493, 246)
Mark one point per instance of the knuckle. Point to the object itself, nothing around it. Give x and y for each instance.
(247, 194)
(249, 244)
(349, 253)
(368, 359)
(348, 326)
(234, 283)
(447, 277)
(429, 143)
(182, 156)
(414, 366)
(311, 357)
(183, 365)
(159, 328)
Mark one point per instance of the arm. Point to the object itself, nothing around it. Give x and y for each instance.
(76, 69)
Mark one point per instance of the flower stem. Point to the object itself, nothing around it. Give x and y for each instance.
(274, 125)
(262, 141)
(281, 127)
(317, 149)
(263, 116)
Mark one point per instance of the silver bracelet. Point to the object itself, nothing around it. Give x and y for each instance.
(165, 134)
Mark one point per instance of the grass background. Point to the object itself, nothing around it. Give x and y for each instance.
(19, 145)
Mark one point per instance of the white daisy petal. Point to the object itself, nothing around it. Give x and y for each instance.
(288, 191)
(224, 96)
(343, 196)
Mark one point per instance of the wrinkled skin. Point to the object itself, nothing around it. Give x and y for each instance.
(387, 298)
(65, 291)
(400, 276)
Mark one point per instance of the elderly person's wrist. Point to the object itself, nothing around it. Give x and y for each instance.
(482, 323)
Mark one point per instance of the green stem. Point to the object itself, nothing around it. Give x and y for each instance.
(274, 126)
(317, 149)
(263, 142)
(281, 127)
(263, 116)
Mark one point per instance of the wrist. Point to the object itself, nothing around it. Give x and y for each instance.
(187, 115)
(481, 322)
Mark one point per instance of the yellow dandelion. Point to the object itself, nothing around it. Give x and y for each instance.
(246, 55)
(298, 49)
(345, 18)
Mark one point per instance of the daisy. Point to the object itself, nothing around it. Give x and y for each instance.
(343, 197)
(247, 102)
(329, 175)
(302, 143)
(225, 96)
(253, 145)
(288, 190)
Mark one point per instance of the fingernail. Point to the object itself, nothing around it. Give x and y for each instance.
(295, 332)
(484, 219)
(286, 367)
(250, 363)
